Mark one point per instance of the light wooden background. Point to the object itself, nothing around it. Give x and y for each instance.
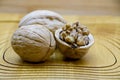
(102, 62)
(74, 7)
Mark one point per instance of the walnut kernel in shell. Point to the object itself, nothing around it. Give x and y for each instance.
(74, 40)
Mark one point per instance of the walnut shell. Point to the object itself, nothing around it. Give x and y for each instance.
(68, 51)
(33, 43)
(49, 19)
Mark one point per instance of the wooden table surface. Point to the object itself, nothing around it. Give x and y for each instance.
(102, 62)
(79, 7)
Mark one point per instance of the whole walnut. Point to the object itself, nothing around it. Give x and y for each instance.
(49, 19)
(33, 43)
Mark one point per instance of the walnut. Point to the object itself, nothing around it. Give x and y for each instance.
(33, 43)
(75, 34)
(49, 19)
(74, 40)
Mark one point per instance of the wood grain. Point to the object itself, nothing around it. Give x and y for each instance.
(101, 62)
(79, 7)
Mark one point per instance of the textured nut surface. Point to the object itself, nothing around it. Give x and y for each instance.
(77, 48)
(33, 43)
(75, 34)
(49, 19)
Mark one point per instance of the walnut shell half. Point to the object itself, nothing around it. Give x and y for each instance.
(33, 43)
(70, 52)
